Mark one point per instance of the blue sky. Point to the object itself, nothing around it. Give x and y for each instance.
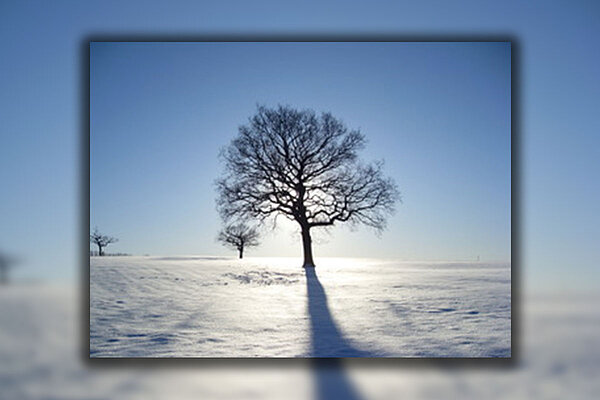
(437, 113)
(40, 76)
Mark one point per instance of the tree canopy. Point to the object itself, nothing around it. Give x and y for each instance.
(305, 167)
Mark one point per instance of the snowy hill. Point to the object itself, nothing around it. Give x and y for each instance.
(43, 356)
(268, 307)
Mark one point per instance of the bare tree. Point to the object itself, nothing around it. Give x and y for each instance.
(304, 167)
(101, 240)
(238, 237)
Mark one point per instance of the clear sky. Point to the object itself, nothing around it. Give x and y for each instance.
(437, 113)
(558, 58)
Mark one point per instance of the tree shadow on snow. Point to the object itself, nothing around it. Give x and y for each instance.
(331, 381)
(327, 345)
(327, 340)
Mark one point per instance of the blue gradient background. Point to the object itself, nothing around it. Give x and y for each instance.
(559, 54)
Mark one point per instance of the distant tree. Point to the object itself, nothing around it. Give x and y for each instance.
(101, 240)
(304, 167)
(239, 237)
(6, 263)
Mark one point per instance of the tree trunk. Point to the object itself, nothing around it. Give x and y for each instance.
(307, 246)
(100, 252)
(241, 250)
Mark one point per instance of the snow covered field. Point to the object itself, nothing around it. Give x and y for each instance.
(268, 307)
(43, 355)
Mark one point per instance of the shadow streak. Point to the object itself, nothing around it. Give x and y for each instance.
(326, 339)
(328, 344)
(331, 381)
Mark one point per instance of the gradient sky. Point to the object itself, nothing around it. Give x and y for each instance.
(558, 56)
(437, 113)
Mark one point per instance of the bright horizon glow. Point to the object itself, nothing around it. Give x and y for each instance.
(437, 113)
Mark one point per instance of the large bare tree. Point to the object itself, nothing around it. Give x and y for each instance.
(239, 236)
(101, 240)
(304, 167)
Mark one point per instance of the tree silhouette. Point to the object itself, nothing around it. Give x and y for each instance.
(238, 237)
(101, 240)
(304, 167)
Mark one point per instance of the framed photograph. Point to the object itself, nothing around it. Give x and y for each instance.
(300, 199)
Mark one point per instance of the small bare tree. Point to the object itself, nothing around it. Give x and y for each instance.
(101, 240)
(239, 237)
(304, 167)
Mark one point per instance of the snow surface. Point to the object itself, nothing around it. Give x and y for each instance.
(43, 355)
(268, 307)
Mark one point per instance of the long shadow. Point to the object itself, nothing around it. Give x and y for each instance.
(327, 341)
(328, 344)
